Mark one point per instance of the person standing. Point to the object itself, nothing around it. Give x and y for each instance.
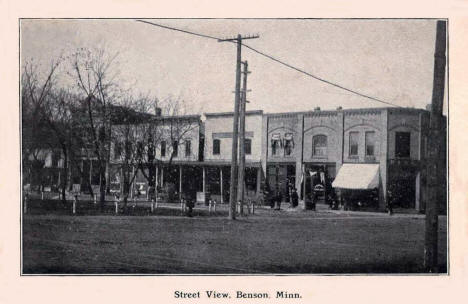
(279, 198)
(294, 198)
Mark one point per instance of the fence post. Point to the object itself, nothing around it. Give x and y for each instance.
(116, 204)
(25, 203)
(75, 200)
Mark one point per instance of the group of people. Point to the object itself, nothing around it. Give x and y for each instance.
(275, 198)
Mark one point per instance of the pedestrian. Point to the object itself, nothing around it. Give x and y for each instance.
(314, 199)
(189, 203)
(279, 198)
(294, 198)
(389, 207)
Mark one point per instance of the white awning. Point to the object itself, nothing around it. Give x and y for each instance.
(357, 176)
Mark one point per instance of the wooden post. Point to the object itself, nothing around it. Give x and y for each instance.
(204, 180)
(235, 129)
(156, 175)
(221, 184)
(75, 201)
(432, 221)
(25, 203)
(180, 182)
(235, 125)
(162, 176)
(241, 172)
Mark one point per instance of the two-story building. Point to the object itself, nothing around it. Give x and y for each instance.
(355, 149)
(218, 153)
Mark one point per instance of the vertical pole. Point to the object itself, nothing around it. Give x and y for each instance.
(180, 183)
(132, 186)
(432, 223)
(204, 180)
(90, 172)
(162, 176)
(233, 186)
(156, 175)
(240, 191)
(221, 182)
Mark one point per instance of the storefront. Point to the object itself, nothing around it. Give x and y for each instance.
(357, 186)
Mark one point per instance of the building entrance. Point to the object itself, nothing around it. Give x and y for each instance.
(282, 177)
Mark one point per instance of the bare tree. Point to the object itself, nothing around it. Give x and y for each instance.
(34, 93)
(96, 82)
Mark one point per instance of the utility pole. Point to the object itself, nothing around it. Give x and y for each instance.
(433, 163)
(240, 190)
(235, 126)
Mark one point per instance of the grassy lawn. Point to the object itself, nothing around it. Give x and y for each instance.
(267, 242)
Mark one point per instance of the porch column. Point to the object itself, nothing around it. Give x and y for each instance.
(418, 192)
(221, 183)
(259, 178)
(204, 180)
(81, 175)
(156, 176)
(180, 182)
(121, 182)
(162, 176)
(132, 187)
(91, 172)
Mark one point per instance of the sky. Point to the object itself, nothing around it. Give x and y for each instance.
(391, 60)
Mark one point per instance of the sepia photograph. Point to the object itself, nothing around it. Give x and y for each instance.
(212, 146)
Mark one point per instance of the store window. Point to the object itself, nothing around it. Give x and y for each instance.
(319, 145)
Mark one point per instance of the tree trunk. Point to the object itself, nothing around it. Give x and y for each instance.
(65, 177)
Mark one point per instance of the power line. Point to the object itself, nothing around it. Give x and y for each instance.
(318, 78)
(278, 61)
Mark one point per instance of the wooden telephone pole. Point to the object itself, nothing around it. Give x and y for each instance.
(434, 142)
(241, 184)
(235, 126)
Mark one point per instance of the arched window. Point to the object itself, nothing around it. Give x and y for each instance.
(319, 145)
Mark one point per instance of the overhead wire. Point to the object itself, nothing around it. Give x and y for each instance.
(276, 60)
